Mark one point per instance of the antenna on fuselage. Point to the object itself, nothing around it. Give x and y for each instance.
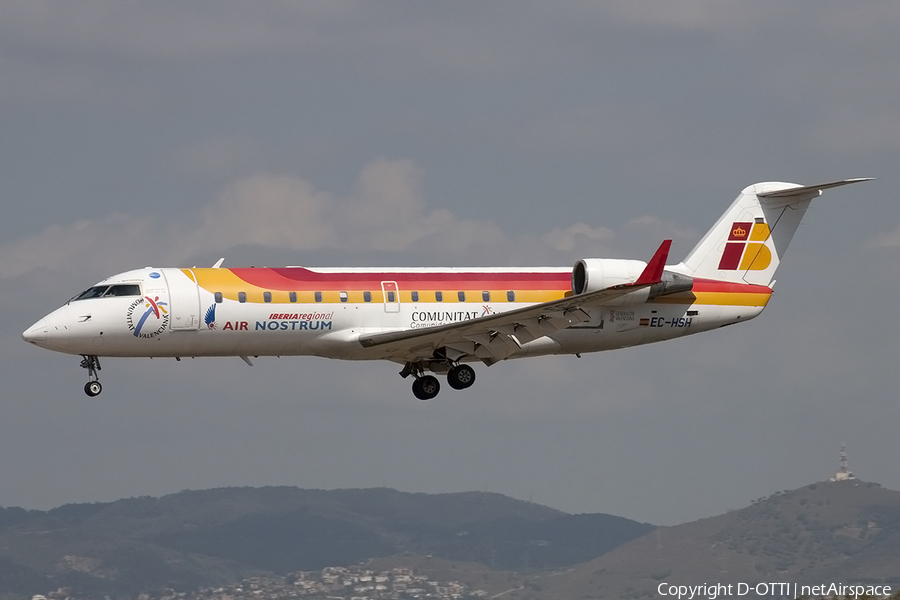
(219, 263)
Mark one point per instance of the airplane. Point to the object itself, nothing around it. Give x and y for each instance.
(437, 320)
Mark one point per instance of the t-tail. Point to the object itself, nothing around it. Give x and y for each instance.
(748, 242)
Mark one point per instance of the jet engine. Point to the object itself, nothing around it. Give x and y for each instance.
(591, 274)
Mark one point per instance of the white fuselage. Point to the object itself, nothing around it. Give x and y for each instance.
(176, 313)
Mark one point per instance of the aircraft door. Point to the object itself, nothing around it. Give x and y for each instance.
(391, 296)
(184, 300)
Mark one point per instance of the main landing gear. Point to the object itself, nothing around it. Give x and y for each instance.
(92, 364)
(426, 387)
(460, 377)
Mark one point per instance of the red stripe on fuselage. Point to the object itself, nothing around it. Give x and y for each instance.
(301, 279)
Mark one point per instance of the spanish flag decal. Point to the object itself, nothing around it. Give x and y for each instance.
(738, 254)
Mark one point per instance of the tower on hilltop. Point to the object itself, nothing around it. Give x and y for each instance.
(843, 472)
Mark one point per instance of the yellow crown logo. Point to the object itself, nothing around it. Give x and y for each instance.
(739, 232)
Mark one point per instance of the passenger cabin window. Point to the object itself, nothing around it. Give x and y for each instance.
(486, 296)
(344, 296)
(391, 296)
(439, 296)
(510, 296)
(367, 296)
(242, 296)
(318, 296)
(461, 296)
(293, 296)
(415, 296)
(218, 296)
(267, 296)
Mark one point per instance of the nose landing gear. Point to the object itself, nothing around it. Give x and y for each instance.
(92, 364)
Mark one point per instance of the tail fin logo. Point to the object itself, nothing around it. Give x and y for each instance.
(739, 231)
(739, 255)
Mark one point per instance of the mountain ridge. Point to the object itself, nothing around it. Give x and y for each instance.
(204, 537)
(845, 531)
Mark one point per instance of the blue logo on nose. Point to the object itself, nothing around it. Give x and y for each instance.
(154, 275)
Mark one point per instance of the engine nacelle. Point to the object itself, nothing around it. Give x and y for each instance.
(591, 274)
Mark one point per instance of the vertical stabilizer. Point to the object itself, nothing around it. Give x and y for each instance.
(748, 242)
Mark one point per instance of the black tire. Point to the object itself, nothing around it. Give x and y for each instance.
(93, 388)
(460, 377)
(426, 388)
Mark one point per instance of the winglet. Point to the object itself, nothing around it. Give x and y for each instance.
(653, 271)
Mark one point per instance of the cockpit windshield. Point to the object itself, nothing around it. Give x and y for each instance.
(106, 291)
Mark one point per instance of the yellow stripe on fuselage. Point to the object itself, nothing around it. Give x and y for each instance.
(716, 299)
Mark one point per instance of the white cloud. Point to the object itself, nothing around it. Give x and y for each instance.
(273, 211)
(98, 242)
(386, 211)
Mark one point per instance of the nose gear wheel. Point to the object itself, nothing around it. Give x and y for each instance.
(92, 364)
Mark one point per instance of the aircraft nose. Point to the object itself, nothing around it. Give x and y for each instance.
(53, 331)
(36, 333)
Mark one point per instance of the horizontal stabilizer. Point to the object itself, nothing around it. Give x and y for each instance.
(810, 190)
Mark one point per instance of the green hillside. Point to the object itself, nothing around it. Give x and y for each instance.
(211, 537)
(826, 532)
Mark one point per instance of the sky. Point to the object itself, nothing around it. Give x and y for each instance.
(397, 133)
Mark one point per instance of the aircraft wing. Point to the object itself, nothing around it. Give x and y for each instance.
(495, 337)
